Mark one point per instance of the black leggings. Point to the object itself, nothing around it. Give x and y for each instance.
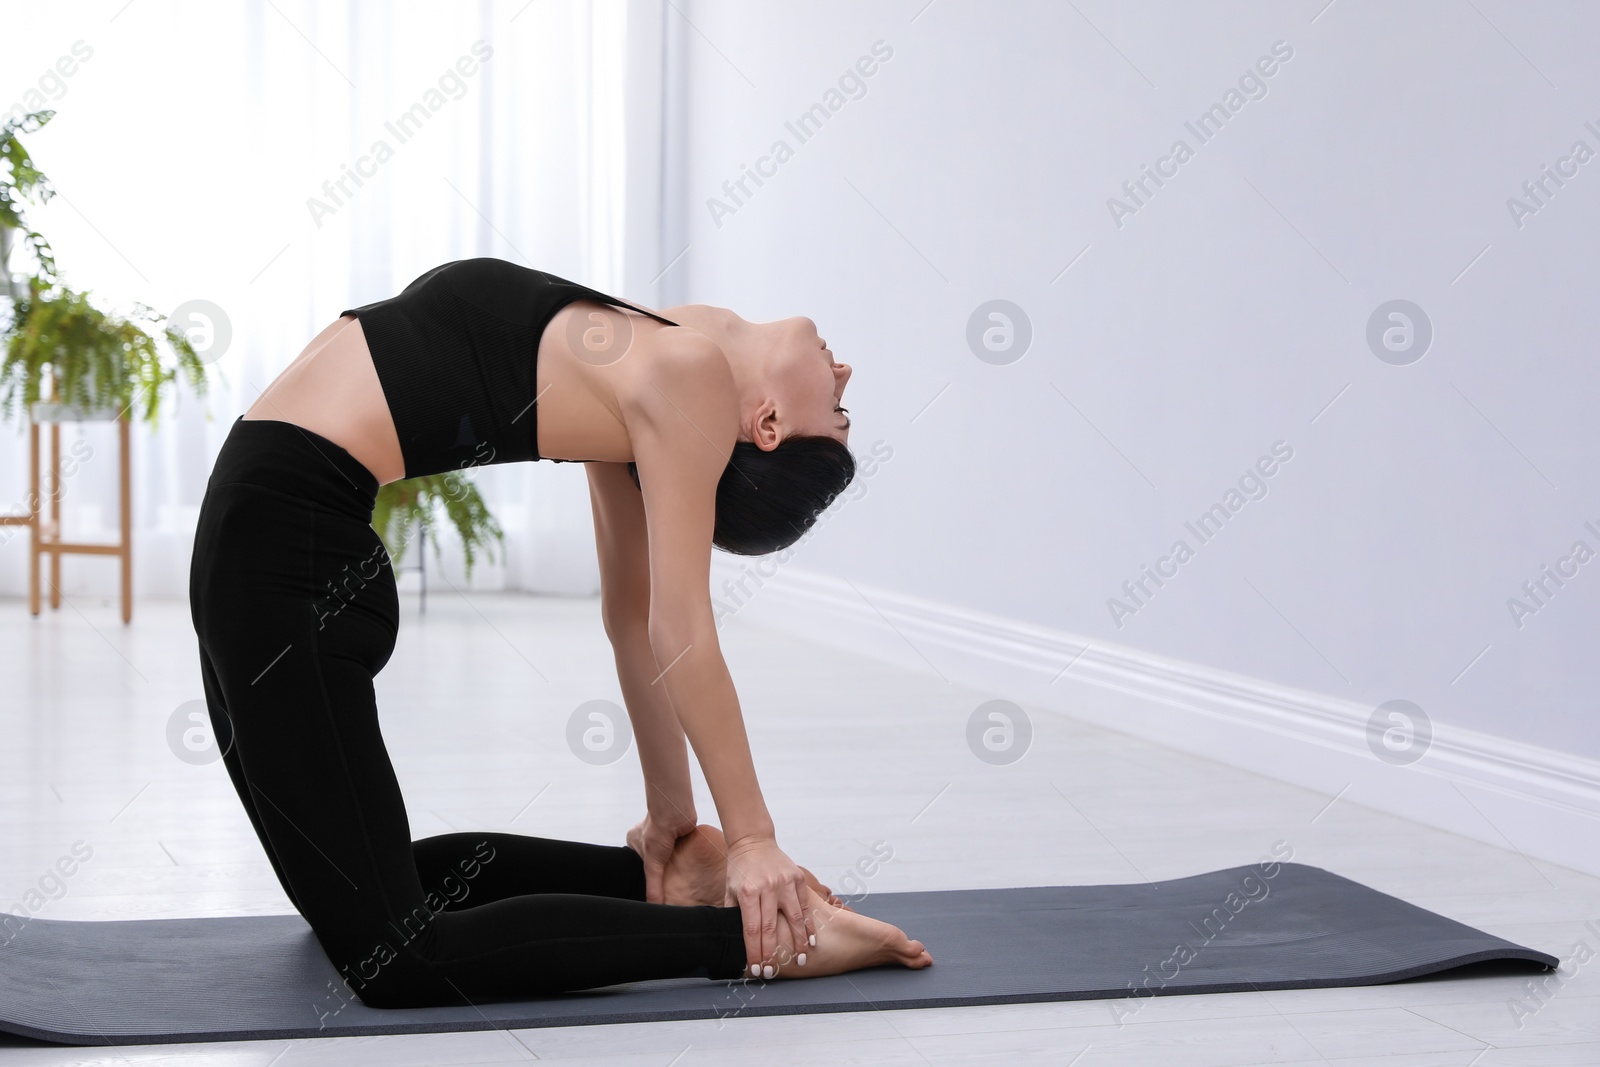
(294, 602)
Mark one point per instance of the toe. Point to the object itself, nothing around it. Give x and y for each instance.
(915, 955)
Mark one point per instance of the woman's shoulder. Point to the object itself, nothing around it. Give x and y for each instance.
(680, 366)
(680, 355)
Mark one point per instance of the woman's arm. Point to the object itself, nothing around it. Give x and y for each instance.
(623, 552)
(683, 423)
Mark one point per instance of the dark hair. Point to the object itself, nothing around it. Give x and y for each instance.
(767, 500)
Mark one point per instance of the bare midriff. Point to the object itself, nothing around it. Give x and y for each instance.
(332, 389)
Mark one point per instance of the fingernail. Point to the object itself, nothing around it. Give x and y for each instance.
(802, 959)
(755, 970)
(767, 971)
(812, 940)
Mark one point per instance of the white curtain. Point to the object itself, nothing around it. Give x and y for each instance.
(284, 160)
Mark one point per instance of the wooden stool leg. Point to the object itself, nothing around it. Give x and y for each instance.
(55, 514)
(34, 503)
(127, 522)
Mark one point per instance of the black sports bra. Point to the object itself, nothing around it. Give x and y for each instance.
(455, 352)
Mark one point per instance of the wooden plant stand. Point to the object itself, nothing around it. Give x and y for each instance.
(45, 532)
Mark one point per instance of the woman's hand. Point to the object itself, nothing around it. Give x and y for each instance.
(768, 889)
(654, 839)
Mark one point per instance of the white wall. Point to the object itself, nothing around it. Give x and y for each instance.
(1226, 314)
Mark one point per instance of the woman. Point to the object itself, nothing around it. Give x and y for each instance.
(709, 430)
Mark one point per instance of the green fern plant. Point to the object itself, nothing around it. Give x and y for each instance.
(25, 182)
(99, 359)
(416, 502)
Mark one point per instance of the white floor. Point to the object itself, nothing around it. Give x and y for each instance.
(476, 701)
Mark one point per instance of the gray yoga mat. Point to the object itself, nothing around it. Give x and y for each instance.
(166, 980)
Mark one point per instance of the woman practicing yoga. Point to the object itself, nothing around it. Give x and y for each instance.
(706, 430)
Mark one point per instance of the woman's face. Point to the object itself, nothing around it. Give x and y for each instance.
(806, 382)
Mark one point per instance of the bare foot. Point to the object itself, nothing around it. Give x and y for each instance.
(697, 872)
(847, 941)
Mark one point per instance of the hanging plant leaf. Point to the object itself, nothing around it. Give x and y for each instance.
(25, 183)
(413, 504)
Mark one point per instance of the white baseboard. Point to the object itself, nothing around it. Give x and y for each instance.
(1533, 800)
